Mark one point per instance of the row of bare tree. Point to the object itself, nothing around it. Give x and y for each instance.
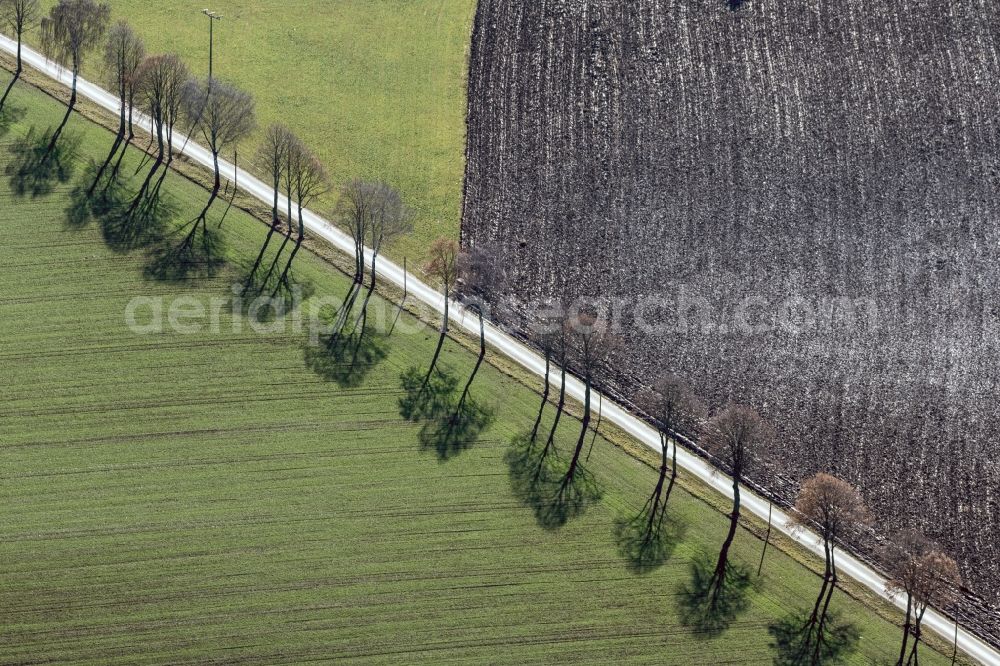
(222, 115)
(736, 437)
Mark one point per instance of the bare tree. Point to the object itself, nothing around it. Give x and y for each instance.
(547, 338)
(124, 52)
(673, 408)
(294, 150)
(224, 115)
(477, 270)
(834, 507)
(308, 180)
(353, 214)
(388, 219)
(19, 16)
(161, 83)
(443, 265)
(71, 30)
(560, 341)
(593, 346)
(733, 436)
(271, 163)
(926, 576)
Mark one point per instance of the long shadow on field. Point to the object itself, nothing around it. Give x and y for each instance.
(647, 546)
(794, 645)
(346, 359)
(122, 230)
(34, 170)
(449, 427)
(269, 302)
(175, 259)
(536, 480)
(709, 615)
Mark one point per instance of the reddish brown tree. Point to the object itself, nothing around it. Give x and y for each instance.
(834, 508)
(927, 577)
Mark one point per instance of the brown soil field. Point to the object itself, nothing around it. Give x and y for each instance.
(791, 205)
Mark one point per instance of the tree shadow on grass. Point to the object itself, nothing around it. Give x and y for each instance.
(173, 261)
(457, 430)
(450, 427)
(794, 643)
(78, 212)
(537, 482)
(34, 170)
(646, 547)
(709, 614)
(122, 230)
(346, 360)
(10, 115)
(428, 401)
(263, 303)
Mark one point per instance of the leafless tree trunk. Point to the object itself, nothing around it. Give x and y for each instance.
(545, 396)
(123, 54)
(19, 16)
(388, 219)
(732, 436)
(225, 116)
(560, 402)
(672, 406)
(443, 265)
(593, 348)
(70, 31)
(927, 577)
(475, 369)
(310, 181)
(161, 81)
(294, 150)
(271, 161)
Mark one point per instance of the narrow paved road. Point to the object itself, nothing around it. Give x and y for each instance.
(523, 355)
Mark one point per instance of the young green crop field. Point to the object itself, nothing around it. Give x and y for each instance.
(376, 88)
(206, 497)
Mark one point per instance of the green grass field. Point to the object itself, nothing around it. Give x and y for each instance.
(375, 87)
(206, 497)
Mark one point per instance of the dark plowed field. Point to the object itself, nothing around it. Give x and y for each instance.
(809, 192)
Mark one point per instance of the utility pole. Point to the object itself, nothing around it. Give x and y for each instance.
(212, 18)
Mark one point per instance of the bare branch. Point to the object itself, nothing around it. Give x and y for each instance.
(72, 28)
(223, 113)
